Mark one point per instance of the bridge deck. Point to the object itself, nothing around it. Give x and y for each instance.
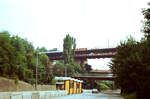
(93, 78)
(86, 53)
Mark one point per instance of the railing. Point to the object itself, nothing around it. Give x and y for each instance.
(86, 53)
(33, 94)
(100, 54)
(96, 75)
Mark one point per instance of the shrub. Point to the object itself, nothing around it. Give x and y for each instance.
(53, 81)
(130, 96)
(103, 86)
(16, 80)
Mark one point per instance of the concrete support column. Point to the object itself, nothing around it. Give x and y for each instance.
(81, 62)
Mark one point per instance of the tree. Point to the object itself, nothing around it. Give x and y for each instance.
(146, 27)
(59, 69)
(89, 84)
(8, 55)
(125, 64)
(68, 49)
(25, 60)
(68, 53)
(132, 67)
(144, 79)
(44, 67)
(18, 60)
(88, 67)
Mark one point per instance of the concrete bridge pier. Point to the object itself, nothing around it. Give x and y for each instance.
(81, 62)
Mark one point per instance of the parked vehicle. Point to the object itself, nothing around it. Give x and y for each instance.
(95, 91)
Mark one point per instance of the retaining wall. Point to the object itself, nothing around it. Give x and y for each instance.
(32, 94)
(46, 87)
(8, 85)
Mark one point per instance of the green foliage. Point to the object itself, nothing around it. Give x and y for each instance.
(88, 67)
(18, 57)
(100, 85)
(31, 80)
(7, 56)
(72, 69)
(16, 80)
(44, 67)
(90, 84)
(53, 81)
(108, 83)
(126, 65)
(130, 96)
(68, 55)
(146, 29)
(131, 65)
(59, 69)
(103, 86)
(68, 49)
(78, 69)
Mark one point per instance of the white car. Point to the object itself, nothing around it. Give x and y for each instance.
(95, 91)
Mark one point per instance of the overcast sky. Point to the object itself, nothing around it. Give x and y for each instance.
(93, 23)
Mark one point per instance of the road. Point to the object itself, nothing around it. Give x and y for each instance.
(91, 96)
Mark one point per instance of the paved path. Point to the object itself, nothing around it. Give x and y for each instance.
(91, 96)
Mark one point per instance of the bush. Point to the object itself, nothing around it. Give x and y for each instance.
(31, 80)
(16, 80)
(103, 86)
(130, 96)
(108, 83)
(53, 81)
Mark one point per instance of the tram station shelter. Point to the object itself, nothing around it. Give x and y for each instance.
(73, 86)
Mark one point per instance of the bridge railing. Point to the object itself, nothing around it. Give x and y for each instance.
(98, 75)
(93, 54)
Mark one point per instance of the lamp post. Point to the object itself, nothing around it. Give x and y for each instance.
(36, 83)
(36, 79)
(66, 70)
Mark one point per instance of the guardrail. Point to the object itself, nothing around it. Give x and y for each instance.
(87, 90)
(32, 94)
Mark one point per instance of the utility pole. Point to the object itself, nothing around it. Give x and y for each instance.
(36, 79)
(65, 71)
(36, 83)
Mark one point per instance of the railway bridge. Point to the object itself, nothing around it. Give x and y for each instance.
(96, 75)
(84, 53)
(81, 56)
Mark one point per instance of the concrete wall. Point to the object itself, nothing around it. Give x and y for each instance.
(46, 87)
(32, 94)
(87, 90)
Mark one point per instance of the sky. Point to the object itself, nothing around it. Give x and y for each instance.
(93, 23)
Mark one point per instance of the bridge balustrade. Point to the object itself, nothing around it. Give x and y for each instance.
(99, 75)
(91, 53)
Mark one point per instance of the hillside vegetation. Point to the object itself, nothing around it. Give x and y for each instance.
(18, 60)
